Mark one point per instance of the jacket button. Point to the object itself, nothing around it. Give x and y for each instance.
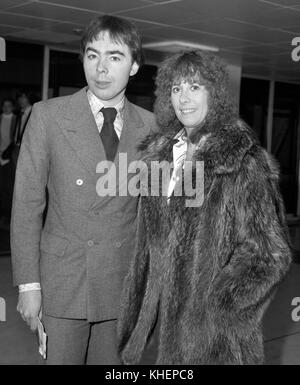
(79, 182)
(118, 244)
(90, 243)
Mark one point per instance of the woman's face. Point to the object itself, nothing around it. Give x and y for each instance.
(190, 102)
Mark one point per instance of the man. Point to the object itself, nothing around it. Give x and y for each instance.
(81, 255)
(7, 124)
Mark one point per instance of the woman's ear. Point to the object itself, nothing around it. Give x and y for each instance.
(134, 68)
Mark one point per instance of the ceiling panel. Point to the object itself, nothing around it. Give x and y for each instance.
(69, 28)
(162, 1)
(243, 57)
(279, 18)
(285, 3)
(245, 10)
(40, 36)
(176, 33)
(264, 50)
(5, 4)
(26, 21)
(294, 29)
(142, 25)
(73, 45)
(165, 14)
(105, 6)
(7, 29)
(56, 12)
(242, 30)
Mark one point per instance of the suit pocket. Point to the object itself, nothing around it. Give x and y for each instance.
(53, 244)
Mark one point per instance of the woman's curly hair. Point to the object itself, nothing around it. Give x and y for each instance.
(194, 66)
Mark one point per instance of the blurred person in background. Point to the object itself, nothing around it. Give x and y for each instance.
(24, 100)
(7, 126)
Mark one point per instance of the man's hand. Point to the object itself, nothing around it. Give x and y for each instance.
(29, 306)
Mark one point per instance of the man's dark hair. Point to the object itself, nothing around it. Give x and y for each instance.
(120, 31)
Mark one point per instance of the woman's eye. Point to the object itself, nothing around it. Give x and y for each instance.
(114, 58)
(175, 90)
(91, 56)
(195, 87)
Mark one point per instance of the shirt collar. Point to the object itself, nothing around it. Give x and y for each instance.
(180, 138)
(96, 104)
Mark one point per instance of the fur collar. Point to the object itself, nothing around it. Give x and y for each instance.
(222, 151)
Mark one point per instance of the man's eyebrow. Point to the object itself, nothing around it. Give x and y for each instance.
(116, 52)
(112, 52)
(91, 49)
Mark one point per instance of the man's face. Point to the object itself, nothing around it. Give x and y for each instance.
(107, 67)
(7, 107)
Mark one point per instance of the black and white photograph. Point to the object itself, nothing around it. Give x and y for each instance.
(150, 185)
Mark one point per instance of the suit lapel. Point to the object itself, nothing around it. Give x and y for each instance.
(81, 131)
(130, 132)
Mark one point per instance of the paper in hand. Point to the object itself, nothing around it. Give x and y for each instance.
(42, 339)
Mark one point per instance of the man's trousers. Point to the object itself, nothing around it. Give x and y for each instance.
(79, 342)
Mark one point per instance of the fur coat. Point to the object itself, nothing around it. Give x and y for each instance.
(208, 271)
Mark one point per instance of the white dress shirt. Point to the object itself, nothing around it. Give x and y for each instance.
(179, 155)
(96, 105)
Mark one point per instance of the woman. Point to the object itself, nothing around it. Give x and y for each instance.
(209, 271)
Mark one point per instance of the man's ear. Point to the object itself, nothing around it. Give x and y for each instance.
(134, 68)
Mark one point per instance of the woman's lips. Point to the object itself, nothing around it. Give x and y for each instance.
(187, 111)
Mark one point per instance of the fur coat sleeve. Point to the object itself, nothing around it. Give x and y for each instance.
(260, 260)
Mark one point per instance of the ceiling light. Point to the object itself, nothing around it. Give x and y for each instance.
(78, 31)
(177, 46)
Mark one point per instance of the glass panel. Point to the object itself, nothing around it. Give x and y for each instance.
(66, 74)
(22, 70)
(284, 139)
(254, 105)
(141, 87)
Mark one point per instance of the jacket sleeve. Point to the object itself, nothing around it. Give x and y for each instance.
(29, 200)
(262, 256)
(139, 299)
